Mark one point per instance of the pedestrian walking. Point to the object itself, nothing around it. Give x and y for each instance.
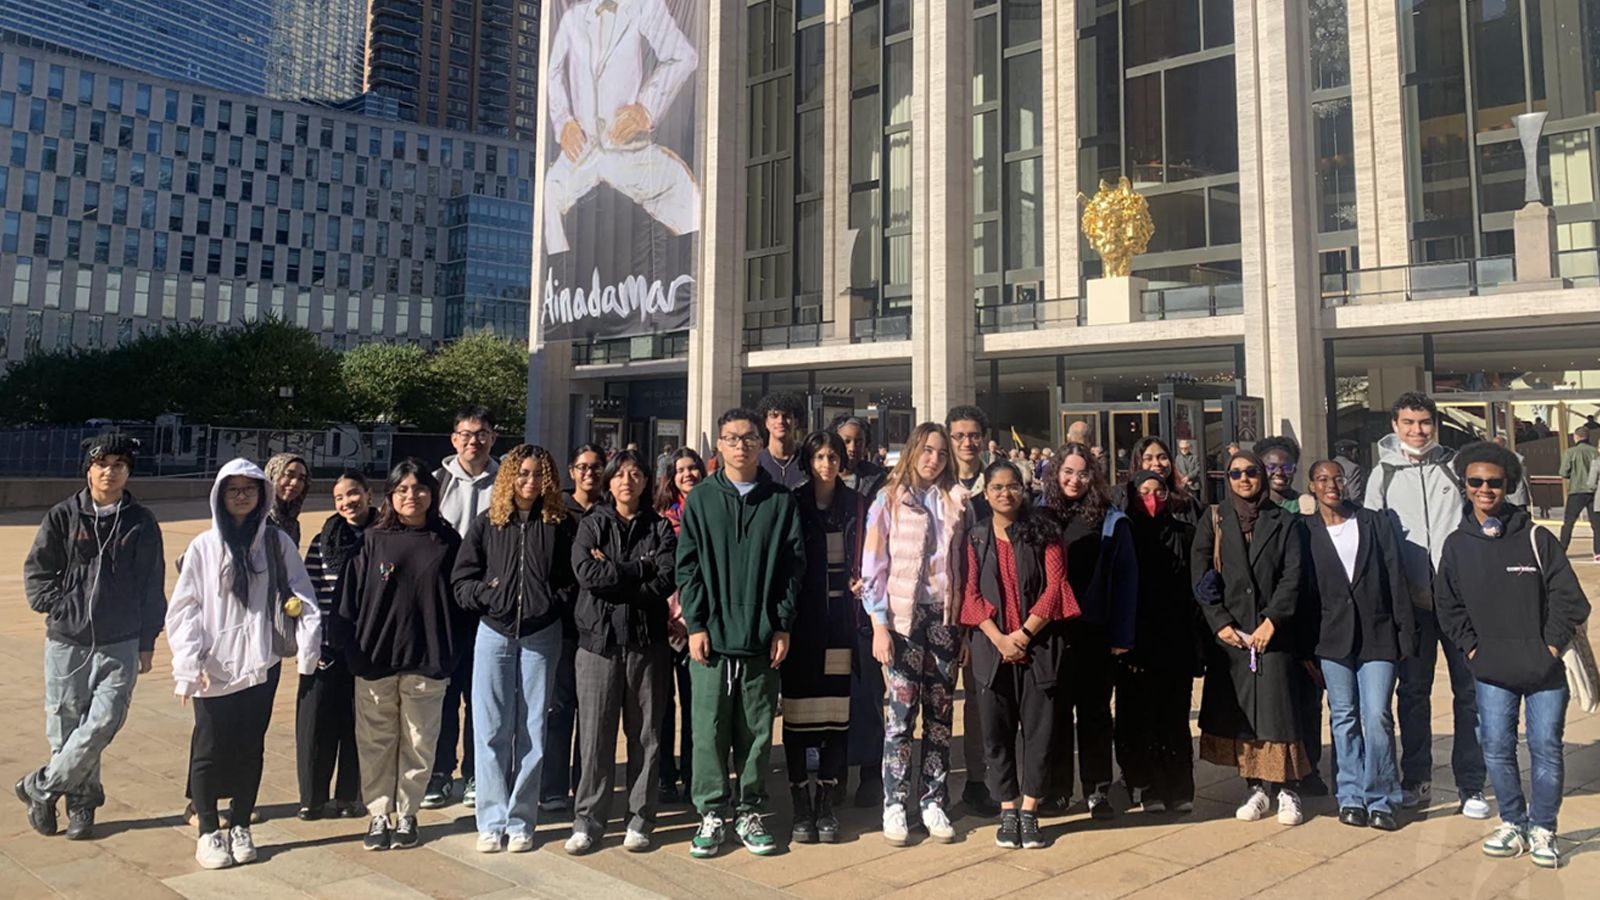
(1345, 453)
(1578, 466)
(325, 717)
(243, 601)
(398, 627)
(95, 571)
(1510, 602)
(514, 571)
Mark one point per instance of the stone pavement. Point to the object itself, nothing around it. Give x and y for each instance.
(145, 850)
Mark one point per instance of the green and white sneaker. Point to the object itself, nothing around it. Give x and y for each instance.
(753, 832)
(707, 842)
(1542, 842)
(1507, 841)
(469, 794)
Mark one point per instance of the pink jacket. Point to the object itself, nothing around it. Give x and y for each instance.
(908, 554)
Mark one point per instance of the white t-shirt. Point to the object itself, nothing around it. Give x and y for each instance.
(743, 487)
(1347, 541)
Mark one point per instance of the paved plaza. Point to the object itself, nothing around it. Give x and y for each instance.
(145, 850)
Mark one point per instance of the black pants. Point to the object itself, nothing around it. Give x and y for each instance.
(832, 756)
(325, 736)
(675, 768)
(227, 748)
(1152, 732)
(1308, 716)
(455, 727)
(1083, 711)
(1014, 701)
(561, 766)
(1579, 503)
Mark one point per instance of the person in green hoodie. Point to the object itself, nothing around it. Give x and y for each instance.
(740, 560)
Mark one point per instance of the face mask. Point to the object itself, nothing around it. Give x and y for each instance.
(1152, 504)
(1419, 452)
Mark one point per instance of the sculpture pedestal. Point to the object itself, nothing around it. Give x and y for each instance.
(1534, 233)
(1116, 300)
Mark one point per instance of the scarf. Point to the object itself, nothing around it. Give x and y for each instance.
(341, 540)
(286, 513)
(1249, 509)
(674, 514)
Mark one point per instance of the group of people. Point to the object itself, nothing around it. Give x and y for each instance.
(482, 604)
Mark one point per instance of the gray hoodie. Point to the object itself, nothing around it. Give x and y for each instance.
(462, 497)
(1424, 501)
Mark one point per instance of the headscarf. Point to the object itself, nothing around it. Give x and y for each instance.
(1249, 510)
(286, 514)
(1150, 505)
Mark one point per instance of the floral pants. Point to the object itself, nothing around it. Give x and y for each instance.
(923, 671)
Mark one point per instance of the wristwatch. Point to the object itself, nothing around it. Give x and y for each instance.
(1024, 629)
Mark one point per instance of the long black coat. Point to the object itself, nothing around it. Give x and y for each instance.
(1370, 617)
(1261, 580)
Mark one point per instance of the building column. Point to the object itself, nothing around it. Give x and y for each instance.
(1377, 118)
(1283, 341)
(943, 343)
(1060, 110)
(716, 351)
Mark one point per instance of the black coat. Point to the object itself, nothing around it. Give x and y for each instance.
(98, 579)
(517, 576)
(1046, 651)
(1168, 627)
(1261, 580)
(622, 599)
(1369, 618)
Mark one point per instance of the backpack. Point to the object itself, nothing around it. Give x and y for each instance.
(1390, 469)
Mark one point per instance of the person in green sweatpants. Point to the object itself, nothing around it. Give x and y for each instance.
(740, 561)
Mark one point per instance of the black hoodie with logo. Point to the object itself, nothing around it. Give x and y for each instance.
(1507, 605)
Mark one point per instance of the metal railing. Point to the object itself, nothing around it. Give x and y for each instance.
(873, 329)
(1581, 267)
(782, 337)
(1029, 315)
(1198, 301)
(1423, 281)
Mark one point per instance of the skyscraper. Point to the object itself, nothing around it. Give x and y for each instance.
(289, 49)
(468, 65)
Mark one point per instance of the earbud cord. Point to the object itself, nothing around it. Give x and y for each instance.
(99, 567)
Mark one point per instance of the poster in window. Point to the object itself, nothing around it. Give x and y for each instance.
(619, 195)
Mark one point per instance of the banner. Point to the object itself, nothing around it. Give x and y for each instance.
(620, 188)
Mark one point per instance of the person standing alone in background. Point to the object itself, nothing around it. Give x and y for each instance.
(1577, 467)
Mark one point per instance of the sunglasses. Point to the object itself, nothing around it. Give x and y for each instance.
(1284, 469)
(1246, 472)
(1492, 483)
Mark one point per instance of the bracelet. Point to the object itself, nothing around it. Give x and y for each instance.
(1024, 629)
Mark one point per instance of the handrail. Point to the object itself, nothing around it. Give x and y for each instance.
(1420, 281)
(1198, 301)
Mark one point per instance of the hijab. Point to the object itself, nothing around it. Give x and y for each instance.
(1150, 504)
(286, 514)
(1248, 510)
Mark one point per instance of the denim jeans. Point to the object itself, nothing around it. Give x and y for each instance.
(1416, 710)
(1360, 693)
(1547, 717)
(512, 680)
(86, 697)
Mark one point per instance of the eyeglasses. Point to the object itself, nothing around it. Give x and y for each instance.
(1495, 484)
(739, 440)
(967, 437)
(240, 493)
(1246, 472)
(586, 468)
(1326, 479)
(1281, 468)
(411, 490)
(1012, 488)
(477, 437)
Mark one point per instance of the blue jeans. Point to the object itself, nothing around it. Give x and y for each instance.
(86, 697)
(1547, 717)
(1359, 696)
(511, 685)
(1416, 710)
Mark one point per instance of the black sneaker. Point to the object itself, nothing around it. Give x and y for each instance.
(1100, 807)
(869, 793)
(42, 816)
(405, 833)
(1032, 838)
(1313, 786)
(80, 822)
(976, 796)
(1054, 806)
(438, 791)
(309, 813)
(1009, 834)
(377, 834)
(805, 821)
(667, 793)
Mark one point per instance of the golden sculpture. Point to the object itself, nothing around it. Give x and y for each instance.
(1118, 225)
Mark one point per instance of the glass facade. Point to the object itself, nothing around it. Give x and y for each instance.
(316, 50)
(488, 255)
(880, 156)
(1470, 67)
(1157, 103)
(1007, 156)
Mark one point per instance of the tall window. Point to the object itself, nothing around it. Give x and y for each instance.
(1007, 154)
(880, 153)
(1328, 24)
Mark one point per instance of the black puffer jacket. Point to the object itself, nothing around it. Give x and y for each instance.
(517, 576)
(622, 599)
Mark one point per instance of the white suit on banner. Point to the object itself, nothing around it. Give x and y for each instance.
(604, 107)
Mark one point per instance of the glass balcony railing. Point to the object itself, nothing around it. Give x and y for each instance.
(783, 337)
(1581, 267)
(893, 327)
(1423, 281)
(1198, 301)
(1030, 315)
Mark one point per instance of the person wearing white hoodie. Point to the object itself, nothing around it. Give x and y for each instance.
(1415, 486)
(466, 484)
(220, 630)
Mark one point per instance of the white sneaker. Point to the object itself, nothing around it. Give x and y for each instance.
(938, 824)
(489, 842)
(1254, 807)
(1473, 806)
(241, 845)
(635, 841)
(1413, 797)
(580, 842)
(211, 852)
(894, 825)
(1289, 808)
(519, 843)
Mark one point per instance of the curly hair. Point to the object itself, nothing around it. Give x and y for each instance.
(783, 401)
(502, 502)
(1093, 505)
(1287, 445)
(1493, 454)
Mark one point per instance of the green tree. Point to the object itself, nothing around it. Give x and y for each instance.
(278, 376)
(385, 382)
(479, 368)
